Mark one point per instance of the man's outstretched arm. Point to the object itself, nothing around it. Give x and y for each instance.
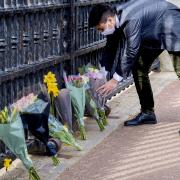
(132, 33)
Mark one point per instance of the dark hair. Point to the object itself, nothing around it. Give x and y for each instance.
(100, 13)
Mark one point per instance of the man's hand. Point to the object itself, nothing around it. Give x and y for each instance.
(108, 87)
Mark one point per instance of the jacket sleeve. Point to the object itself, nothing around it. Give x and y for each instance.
(132, 33)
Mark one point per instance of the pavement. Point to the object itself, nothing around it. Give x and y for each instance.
(148, 152)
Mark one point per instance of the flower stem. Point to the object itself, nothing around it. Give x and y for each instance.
(103, 117)
(52, 108)
(55, 160)
(100, 124)
(83, 133)
(78, 147)
(33, 175)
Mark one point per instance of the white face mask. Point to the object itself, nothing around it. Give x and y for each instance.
(108, 31)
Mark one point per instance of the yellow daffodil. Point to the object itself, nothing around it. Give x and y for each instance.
(51, 82)
(50, 78)
(7, 163)
(4, 116)
(52, 88)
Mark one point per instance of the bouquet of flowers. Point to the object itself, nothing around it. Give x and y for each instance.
(100, 101)
(76, 86)
(57, 130)
(60, 102)
(35, 116)
(96, 80)
(64, 107)
(91, 107)
(83, 80)
(24, 102)
(12, 134)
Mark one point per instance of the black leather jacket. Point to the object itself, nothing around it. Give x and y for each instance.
(151, 24)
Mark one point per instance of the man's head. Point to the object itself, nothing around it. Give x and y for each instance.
(103, 18)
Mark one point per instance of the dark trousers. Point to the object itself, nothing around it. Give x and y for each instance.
(176, 62)
(141, 78)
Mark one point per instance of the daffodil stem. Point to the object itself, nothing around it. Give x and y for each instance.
(55, 160)
(83, 133)
(103, 117)
(53, 111)
(33, 175)
(100, 124)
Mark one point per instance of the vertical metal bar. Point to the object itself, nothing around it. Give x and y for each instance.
(1, 97)
(5, 95)
(8, 91)
(7, 4)
(72, 33)
(26, 85)
(51, 20)
(36, 37)
(7, 64)
(3, 44)
(31, 2)
(41, 40)
(61, 24)
(2, 4)
(91, 35)
(42, 35)
(87, 28)
(29, 84)
(46, 35)
(26, 39)
(21, 84)
(13, 3)
(20, 37)
(14, 42)
(55, 34)
(26, 3)
(14, 90)
(41, 2)
(36, 82)
(81, 28)
(77, 28)
(32, 38)
(20, 3)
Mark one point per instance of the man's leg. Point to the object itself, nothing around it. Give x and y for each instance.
(176, 62)
(143, 87)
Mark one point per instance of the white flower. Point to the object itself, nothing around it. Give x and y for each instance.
(85, 79)
(96, 71)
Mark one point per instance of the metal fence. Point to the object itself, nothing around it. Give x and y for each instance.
(38, 35)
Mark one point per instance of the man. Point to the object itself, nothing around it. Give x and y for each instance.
(137, 33)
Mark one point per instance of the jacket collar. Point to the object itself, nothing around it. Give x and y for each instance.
(117, 22)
